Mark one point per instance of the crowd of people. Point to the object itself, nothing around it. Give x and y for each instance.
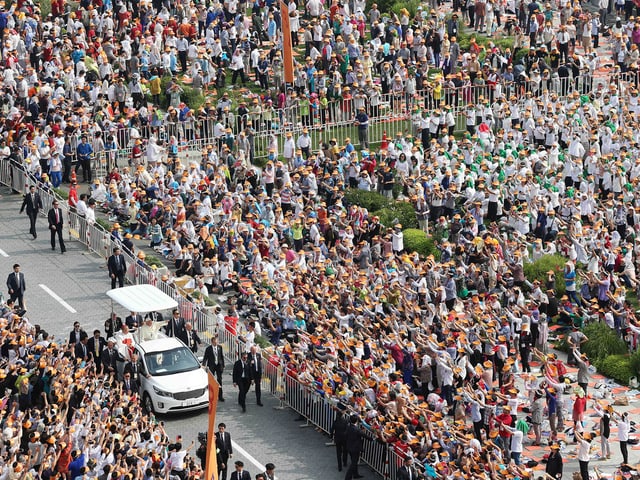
(69, 411)
(432, 354)
(68, 414)
(81, 87)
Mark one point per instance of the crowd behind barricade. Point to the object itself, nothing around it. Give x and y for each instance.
(89, 73)
(66, 413)
(549, 165)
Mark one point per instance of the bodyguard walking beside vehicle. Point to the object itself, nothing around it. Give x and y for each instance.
(56, 224)
(339, 434)
(242, 379)
(213, 359)
(33, 204)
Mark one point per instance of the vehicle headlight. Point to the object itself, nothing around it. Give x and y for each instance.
(162, 393)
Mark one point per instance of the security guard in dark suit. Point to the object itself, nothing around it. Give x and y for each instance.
(339, 434)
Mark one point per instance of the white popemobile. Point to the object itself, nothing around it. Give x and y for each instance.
(171, 377)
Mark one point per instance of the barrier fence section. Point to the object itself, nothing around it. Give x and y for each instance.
(308, 400)
(387, 112)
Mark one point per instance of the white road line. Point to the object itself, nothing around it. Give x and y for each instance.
(3, 253)
(245, 454)
(57, 298)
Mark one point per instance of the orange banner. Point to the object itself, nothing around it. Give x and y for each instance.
(287, 49)
(211, 465)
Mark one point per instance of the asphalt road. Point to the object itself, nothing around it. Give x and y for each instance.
(79, 279)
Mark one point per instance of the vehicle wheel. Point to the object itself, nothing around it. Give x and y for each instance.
(147, 403)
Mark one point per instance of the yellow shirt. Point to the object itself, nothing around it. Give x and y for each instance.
(154, 85)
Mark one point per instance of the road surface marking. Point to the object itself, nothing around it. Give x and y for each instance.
(3, 253)
(57, 297)
(245, 454)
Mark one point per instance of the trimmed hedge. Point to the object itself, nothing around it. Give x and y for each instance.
(538, 271)
(61, 193)
(45, 7)
(634, 361)
(607, 352)
(372, 201)
(104, 224)
(389, 211)
(603, 343)
(410, 5)
(464, 40)
(519, 56)
(152, 260)
(617, 367)
(398, 212)
(416, 240)
(207, 300)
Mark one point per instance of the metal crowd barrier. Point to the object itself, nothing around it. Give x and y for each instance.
(276, 379)
(308, 402)
(388, 112)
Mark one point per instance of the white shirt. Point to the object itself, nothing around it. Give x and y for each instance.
(623, 430)
(516, 441)
(176, 460)
(397, 241)
(90, 216)
(584, 448)
(81, 207)
(250, 338)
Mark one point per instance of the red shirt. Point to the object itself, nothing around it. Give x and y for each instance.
(504, 418)
(73, 197)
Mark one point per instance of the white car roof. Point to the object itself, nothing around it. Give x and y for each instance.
(142, 298)
(160, 344)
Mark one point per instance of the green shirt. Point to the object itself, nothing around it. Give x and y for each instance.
(297, 232)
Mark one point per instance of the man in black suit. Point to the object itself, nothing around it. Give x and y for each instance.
(407, 471)
(109, 358)
(56, 223)
(240, 473)
(117, 268)
(175, 326)
(213, 359)
(339, 434)
(128, 385)
(225, 450)
(133, 320)
(242, 379)
(81, 349)
(353, 439)
(255, 365)
(270, 472)
(190, 337)
(112, 325)
(96, 345)
(16, 286)
(33, 203)
(75, 335)
(132, 367)
(154, 316)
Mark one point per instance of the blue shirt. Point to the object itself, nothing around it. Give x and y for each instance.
(363, 119)
(76, 465)
(84, 150)
(570, 280)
